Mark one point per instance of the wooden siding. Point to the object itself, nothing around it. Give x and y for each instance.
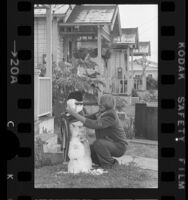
(59, 47)
(116, 60)
(39, 40)
(40, 32)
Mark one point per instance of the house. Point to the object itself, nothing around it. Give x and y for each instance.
(40, 32)
(121, 61)
(58, 31)
(48, 49)
(150, 71)
(91, 26)
(141, 54)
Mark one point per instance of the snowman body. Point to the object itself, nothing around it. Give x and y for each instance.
(79, 149)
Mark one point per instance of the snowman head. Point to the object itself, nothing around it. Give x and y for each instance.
(75, 101)
(75, 105)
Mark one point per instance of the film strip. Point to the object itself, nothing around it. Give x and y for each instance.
(171, 110)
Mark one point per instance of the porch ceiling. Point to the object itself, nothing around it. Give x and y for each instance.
(144, 48)
(129, 36)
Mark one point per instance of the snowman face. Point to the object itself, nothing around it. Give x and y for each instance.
(75, 105)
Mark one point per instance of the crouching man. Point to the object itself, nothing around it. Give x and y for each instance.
(110, 136)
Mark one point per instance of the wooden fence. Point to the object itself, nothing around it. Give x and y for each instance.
(146, 121)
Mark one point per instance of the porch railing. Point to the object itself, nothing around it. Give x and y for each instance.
(42, 94)
(119, 86)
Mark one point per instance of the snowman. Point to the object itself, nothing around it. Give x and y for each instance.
(79, 150)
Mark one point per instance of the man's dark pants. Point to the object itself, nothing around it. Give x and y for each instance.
(103, 151)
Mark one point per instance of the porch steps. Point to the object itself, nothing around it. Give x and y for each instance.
(55, 157)
(46, 124)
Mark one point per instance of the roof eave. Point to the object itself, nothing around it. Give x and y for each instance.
(84, 24)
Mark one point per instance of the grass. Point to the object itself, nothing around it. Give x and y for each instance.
(124, 176)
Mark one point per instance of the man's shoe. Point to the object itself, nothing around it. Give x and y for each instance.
(115, 164)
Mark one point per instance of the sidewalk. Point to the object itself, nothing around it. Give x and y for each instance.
(142, 162)
(143, 141)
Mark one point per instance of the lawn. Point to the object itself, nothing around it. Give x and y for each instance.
(124, 176)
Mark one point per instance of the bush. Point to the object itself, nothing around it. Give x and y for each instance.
(151, 96)
(151, 83)
(130, 130)
(66, 79)
(120, 103)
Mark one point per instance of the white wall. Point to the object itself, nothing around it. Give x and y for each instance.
(40, 30)
(39, 40)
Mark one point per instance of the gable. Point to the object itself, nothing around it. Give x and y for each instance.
(91, 14)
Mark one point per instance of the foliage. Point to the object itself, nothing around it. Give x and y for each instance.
(83, 52)
(130, 128)
(66, 79)
(151, 83)
(120, 103)
(151, 96)
(42, 68)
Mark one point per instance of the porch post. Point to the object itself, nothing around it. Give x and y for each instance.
(144, 82)
(36, 93)
(99, 49)
(99, 52)
(144, 74)
(130, 71)
(49, 50)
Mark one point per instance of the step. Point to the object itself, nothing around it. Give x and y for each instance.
(46, 125)
(55, 148)
(48, 138)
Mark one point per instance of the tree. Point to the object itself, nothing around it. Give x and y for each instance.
(151, 83)
(66, 79)
(144, 63)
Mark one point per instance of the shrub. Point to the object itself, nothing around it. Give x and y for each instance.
(120, 103)
(66, 79)
(151, 96)
(151, 83)
(129, 129)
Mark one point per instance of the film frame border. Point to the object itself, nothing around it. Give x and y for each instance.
(21, 112)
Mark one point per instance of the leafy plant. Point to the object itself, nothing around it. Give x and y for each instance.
(66, 79)
(151, 83)
(120, 103)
